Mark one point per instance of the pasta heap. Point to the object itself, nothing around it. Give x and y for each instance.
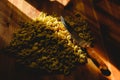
(45, 44)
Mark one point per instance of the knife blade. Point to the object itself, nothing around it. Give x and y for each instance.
(86, 45)
(82, 43)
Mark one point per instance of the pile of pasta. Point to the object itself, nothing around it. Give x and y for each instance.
(45, 44)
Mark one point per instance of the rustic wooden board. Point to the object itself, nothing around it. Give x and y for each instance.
(97, 15)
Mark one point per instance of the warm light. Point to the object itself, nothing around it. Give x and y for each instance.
(115, 73)
(63, 2)
(26, 8)
(32, 12)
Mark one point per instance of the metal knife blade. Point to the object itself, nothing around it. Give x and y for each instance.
(82, 43)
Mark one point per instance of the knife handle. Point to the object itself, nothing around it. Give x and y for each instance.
(92, 54)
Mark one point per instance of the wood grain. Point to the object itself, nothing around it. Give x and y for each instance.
(104, 19)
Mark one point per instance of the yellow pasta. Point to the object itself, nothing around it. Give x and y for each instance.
(46, 44)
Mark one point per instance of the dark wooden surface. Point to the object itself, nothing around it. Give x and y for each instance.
(103, 15)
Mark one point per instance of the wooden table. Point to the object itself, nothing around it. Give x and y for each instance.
(102, 15)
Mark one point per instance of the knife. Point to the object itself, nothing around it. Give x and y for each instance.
(82, 43)
(86, 45)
